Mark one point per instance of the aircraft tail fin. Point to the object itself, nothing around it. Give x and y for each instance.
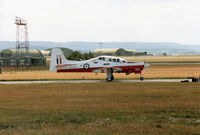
(57, 58)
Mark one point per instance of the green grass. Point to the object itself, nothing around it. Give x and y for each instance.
(100, 109)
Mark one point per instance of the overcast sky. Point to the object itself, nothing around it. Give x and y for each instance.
(104, 20)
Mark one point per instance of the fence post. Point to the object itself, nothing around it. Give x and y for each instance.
(199, 79)
(0, 68)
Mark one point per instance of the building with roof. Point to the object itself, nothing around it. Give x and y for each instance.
(46, 53)
(117, 52)
(110, 51)
(14, 57)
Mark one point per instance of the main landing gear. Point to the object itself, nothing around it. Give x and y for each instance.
(141, 77)
(110, 76)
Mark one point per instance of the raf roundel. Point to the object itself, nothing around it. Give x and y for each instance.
(86, 66)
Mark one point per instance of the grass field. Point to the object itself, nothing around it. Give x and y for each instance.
(161, 59)
(100, 109)
(156, 70)
(167, 71)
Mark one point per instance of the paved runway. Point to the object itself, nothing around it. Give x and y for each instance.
(91, 81)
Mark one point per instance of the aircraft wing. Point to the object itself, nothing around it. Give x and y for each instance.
(104, 69)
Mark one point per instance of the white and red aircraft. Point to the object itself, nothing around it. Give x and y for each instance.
(101, 64)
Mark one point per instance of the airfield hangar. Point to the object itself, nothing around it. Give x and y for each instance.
(117, 52)
(10, 57)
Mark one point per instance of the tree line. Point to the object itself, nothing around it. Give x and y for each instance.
(76, 55)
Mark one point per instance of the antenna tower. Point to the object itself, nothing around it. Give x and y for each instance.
(22, 44)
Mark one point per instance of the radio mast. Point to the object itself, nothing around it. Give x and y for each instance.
(22, 44)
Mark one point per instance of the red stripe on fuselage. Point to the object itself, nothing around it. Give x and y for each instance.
(134, 69)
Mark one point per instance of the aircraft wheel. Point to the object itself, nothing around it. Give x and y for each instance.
(109, 80)
(141, 78)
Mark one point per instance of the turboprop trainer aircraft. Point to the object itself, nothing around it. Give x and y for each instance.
(100, 64)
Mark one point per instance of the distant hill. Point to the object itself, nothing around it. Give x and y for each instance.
(150, 47)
